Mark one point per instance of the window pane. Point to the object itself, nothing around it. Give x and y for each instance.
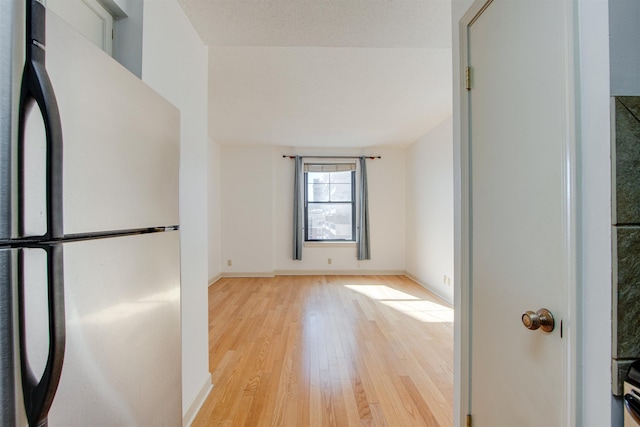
(340, 192)
(318, 192)
(329, 186)
(319, 177)
(341, 177)
(329, 221)
(318, 189)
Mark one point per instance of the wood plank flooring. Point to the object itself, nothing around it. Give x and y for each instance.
(328, 351)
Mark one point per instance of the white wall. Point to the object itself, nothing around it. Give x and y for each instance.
(429, 184)
(215, 212)
(624, 16)
(247, 209)
(257, 198)
(594, 229)
(174, 63)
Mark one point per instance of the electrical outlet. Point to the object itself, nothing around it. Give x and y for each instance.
(329, 261)
(229, 263)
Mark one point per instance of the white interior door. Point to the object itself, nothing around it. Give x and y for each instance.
(89, 17)
(519, 182)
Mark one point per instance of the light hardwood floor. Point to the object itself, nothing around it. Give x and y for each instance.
(328, 351)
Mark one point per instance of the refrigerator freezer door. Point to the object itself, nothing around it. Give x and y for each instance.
(122, 362)
(121, 140)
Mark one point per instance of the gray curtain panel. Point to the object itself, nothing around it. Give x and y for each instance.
(298, 211)
(363, 206)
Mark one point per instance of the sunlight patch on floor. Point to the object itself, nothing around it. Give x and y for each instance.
(422, 310)
(381, 292)
(425, 311)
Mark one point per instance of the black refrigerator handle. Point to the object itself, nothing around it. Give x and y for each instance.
(39, 393)
(37, 91)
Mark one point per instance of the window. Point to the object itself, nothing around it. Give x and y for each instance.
(329, 200)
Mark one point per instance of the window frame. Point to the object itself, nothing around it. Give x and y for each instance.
(352, 203)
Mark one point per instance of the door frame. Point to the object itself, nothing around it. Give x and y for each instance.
(570, 205)
(104, 13)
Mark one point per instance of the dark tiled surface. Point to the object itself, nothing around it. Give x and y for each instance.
(632, 103)
(627, 155)
(626, 286)
(628, 292)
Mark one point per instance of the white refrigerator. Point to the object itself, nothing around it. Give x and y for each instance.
(89, 234)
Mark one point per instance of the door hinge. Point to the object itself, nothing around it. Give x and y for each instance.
(467, 78)
(469, 420)
(112, 34)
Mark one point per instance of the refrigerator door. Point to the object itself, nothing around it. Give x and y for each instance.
(120, 138)
(122, 364)
(12, 59)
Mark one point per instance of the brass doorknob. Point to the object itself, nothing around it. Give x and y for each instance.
(542, 319)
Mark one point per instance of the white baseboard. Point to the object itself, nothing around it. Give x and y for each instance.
(430, 288)
(192, 411)
(250, 274)
(215, 279)
(339, 273)
(446, 298)
(313, 273)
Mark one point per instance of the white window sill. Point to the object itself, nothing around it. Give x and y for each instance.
(329, 244)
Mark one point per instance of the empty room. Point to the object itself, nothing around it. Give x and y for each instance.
(332, 274)
(319, 213)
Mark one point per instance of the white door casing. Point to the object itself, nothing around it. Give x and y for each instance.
(518, 234)
(89, 17)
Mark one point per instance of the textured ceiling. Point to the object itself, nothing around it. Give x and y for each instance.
(322, 23)
(319, 73)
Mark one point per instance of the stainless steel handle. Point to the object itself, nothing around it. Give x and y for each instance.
(38, 393)
(541, 319)
(37, 89)
(632, 404)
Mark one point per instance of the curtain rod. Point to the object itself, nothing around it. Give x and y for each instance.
(334, 157)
